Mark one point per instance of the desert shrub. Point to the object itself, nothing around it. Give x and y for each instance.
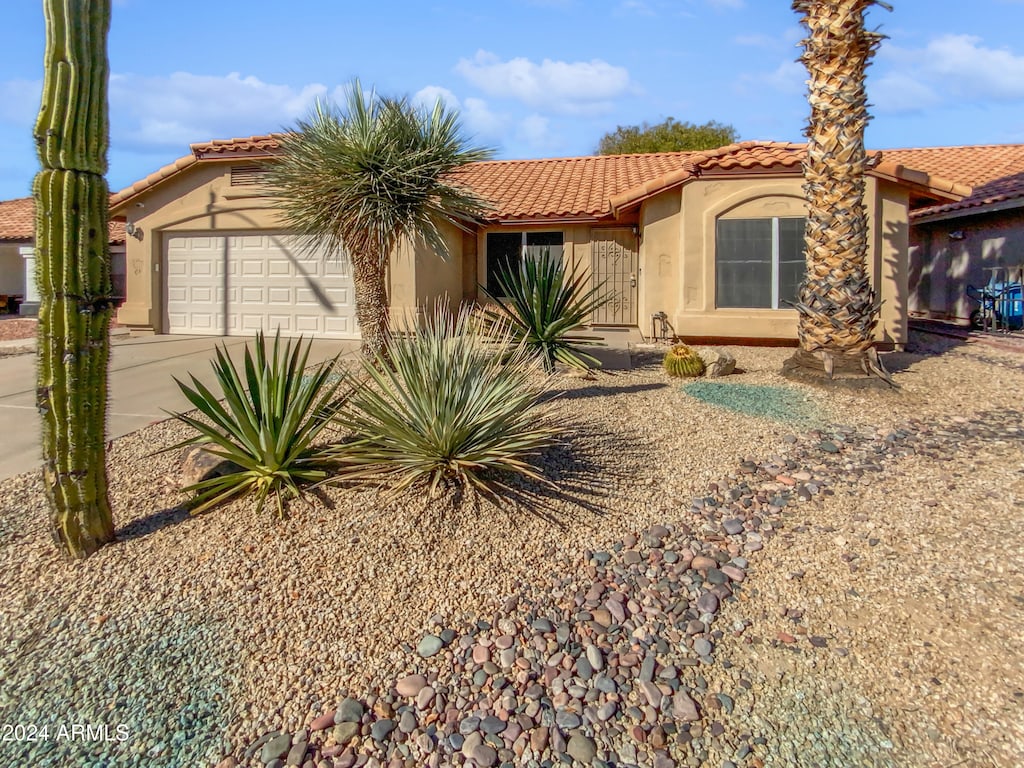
(450, 406)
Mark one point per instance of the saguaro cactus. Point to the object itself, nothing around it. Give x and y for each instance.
(73, 273)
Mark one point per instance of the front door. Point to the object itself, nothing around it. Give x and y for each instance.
(614, 262)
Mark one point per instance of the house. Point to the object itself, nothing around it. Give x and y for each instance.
(17, 256)
(970, 242)
(713, 239)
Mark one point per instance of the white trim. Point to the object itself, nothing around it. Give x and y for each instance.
(775, 262)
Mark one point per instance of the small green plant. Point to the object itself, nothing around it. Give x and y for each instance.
(543, 304)
(683, 362)
(266, 424)
(450, 405)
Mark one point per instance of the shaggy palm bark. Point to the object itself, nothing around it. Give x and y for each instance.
(74, 273)
(837, 304)
(369, 276)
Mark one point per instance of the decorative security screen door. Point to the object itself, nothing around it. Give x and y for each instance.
(614, 262)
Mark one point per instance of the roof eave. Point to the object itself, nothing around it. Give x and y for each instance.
(960, 212)
(928, 185)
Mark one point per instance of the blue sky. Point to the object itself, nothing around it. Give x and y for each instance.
(532, 78)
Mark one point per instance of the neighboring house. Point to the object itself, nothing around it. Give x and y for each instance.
(17, 256)
(713, 239)
(970, 242)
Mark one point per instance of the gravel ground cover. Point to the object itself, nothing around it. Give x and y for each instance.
(13, 327)
(235, 636)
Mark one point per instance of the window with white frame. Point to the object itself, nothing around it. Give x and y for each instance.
(759, 263)
(506, 249)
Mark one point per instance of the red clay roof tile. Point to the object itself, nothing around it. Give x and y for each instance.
(995, 171)
(17, 222)
(559, 188)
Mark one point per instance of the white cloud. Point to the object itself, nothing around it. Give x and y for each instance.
(581, 87)
(949, 69)
(175, 110)
(789, 77)
(427, 97)
(475, 114)
(535, 131)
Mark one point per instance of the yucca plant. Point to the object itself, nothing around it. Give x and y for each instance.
(366, 175)
(266, 424)
(451, 407)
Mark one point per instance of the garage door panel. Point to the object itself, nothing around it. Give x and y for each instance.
(270, 284)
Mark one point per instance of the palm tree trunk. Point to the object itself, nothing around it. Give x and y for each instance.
(72, 244)
(370, 277)
(837, 304)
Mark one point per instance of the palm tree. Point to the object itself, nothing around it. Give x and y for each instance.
(837, 304)
(364, 178)
(74, 273)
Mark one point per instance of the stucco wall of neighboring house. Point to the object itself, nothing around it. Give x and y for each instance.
(947, 255)
(12, 269)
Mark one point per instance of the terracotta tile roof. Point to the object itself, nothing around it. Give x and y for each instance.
(570, 187)
(17, 222)
(563, 187)
(17, 219)
(256, 145)
(995, 171)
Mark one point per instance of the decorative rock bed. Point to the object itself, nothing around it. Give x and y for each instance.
(608, 667)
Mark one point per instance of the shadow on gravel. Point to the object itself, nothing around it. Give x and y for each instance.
(144, 526)
(599, 391)
(581, 474)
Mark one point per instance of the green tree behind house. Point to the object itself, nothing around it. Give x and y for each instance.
(668, 136)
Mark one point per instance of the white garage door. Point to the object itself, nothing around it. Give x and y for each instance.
(235, 284)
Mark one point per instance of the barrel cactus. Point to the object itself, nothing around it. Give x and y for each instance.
(683, 362)
(73, 273)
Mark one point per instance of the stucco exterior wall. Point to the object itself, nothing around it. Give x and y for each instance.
(948, 255)
(202, 199)
(889, 235)
(678, 255)
(12, 270)
(420, 278)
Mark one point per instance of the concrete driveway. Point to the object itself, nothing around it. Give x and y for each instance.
(141, 386)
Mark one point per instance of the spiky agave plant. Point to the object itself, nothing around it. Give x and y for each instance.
(73, 273)
(837, 304)
(270, 416)
(453, 407)
(543, 304)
